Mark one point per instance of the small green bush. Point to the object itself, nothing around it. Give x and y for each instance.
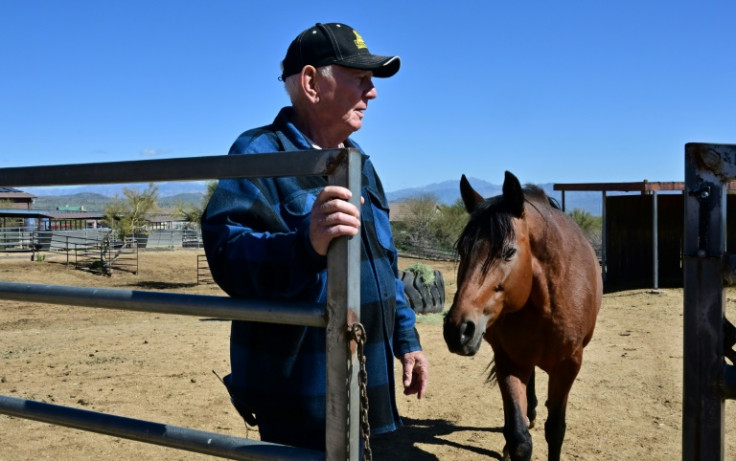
(97, 266)
(423, 271)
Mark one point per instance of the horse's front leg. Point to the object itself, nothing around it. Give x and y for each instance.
(560, 383)
(531, 399)
(516, 424)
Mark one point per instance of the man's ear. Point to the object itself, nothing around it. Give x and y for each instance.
(308, 80)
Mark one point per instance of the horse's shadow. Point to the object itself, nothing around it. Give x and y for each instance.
(403, 443)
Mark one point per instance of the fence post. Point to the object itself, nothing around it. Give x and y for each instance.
(343, 294)
(707, 170)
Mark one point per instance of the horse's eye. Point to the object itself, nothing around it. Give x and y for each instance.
(509, 253)
(498, 288)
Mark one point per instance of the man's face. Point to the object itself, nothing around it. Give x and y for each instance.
(343, 97)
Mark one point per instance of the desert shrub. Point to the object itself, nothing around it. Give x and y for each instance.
(422, 270)
(592, 227)
(429, 228)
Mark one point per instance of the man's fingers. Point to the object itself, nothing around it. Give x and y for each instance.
(340, 218)
(416, 374)
(334, 205)
(334, 192)
(332, 216)
(408, 370)
(334, 232)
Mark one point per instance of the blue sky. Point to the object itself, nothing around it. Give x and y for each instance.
(554, 91)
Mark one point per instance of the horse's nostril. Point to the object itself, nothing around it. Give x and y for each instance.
(467, 331)
(458, 336)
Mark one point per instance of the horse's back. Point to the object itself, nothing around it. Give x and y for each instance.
(574, 274)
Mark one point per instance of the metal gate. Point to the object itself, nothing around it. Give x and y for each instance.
(342, 167)
(708, 378)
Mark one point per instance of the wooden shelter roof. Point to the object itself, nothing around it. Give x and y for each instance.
(11, 192)
(50, 214)
(641, 186)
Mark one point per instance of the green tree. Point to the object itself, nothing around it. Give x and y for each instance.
(427, 225)
(193, 213)
(585, 219)
(450, 223)
(591, 226)
(126, 216)
(417, 228)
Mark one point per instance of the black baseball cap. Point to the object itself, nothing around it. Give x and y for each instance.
(335, 43)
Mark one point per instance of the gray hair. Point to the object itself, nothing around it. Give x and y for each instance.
(291, 84)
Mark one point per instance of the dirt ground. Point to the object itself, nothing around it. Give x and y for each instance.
(625, 405)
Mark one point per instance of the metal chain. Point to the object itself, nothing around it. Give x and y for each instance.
(359, 336)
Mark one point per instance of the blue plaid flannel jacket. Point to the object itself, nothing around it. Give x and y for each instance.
(256, 239)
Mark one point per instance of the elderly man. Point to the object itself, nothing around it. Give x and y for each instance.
(267, 239)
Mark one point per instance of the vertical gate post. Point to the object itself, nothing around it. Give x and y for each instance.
(707, 170)
(655, 241)
(343, 294)
(604, 238)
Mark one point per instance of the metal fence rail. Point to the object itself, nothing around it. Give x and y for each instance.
(708, 379)
(156, 433)
(217, 307)
(15, 239)
(342, 167)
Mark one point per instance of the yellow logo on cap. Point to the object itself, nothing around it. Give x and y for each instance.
(359, 43)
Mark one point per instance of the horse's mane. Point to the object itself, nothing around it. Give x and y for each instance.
(491, 222)
(532, 191)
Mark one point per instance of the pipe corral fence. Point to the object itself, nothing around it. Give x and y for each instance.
(341, 167)
(707, 378)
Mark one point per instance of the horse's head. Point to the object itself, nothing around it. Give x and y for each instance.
(495, 271)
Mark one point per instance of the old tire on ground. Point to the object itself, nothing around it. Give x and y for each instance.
(412, 295)
(423, 298)
(439, 282)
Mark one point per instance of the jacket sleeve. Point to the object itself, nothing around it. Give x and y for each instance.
(406, 337)
(250, 249)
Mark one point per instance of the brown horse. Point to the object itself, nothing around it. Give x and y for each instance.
(529, 283)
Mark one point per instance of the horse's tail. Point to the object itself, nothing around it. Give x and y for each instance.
(492, 378)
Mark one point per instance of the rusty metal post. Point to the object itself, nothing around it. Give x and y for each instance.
(343, 295)
(708, 167)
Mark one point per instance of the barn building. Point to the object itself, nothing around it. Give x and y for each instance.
(643, 231)
(16, 199)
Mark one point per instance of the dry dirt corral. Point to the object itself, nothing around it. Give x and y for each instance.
(625, 405)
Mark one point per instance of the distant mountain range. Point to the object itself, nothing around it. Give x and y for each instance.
(165, 189)
(448, 192)
(93, 198)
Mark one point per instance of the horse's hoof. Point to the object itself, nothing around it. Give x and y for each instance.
(523, 455)
(530, 423)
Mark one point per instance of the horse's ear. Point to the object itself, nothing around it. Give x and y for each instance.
(471, 198)
(513, 195)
